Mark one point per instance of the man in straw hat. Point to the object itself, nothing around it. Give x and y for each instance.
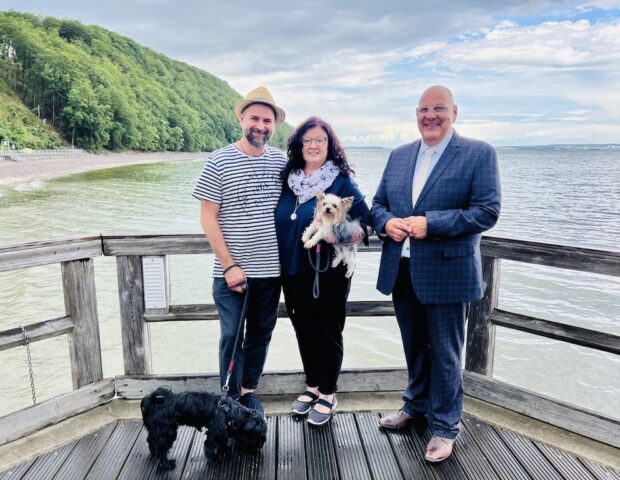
(238, 191)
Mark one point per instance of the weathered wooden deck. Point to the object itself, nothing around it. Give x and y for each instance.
(352, 447)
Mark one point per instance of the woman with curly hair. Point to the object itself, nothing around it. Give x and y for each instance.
(315, 293)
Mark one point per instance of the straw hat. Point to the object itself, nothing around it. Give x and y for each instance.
(260, 95)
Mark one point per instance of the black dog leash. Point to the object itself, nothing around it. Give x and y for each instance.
(316, 266)
(231, 365)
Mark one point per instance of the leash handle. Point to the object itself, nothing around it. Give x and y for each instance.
(231, 365)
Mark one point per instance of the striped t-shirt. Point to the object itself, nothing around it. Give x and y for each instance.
(247, 190)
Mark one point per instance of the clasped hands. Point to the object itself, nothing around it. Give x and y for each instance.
(400, 228)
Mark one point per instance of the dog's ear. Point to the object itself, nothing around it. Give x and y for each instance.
(159, 400)
(347, 202)
(320, 196)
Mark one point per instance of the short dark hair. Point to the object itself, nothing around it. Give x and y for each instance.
(335, 152)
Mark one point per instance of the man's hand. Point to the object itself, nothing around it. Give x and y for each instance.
(418, 226)
(236, 280)
(397, 229)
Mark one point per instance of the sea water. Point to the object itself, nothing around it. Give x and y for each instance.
(566, 195)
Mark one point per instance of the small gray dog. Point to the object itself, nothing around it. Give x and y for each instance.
(330, 218)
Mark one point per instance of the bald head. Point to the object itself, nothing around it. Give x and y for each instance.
(436, 113)
(437, 91)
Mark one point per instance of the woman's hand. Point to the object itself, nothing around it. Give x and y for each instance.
(354, 239)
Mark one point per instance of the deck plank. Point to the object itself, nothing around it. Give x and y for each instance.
(258, 465)
(379, 453)
(450, 468)
(409, 453)
(116, 451)
(497, 453)
(534, 462)
(262, 465)
(320, 454)
(229, 466)
(85, 453)
(196, 466)
(140, 463)
(471, 458)
(600, 472)
(291, 449)
(350, 455)
(46, 466)
(17, 472)
(568, 466)
(180, 452)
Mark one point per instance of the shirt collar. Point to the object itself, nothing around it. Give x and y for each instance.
(439, 148)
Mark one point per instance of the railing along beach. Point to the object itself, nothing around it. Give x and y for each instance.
(29, 154)
(143, 287)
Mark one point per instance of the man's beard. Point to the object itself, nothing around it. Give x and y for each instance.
(259, 141)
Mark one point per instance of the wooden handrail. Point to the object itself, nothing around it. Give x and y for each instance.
(36, 331)
(34, 254)
(30, 254)
(606, 342)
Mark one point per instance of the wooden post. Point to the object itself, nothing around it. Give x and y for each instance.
(480, 329)
(136, 336)
(78, 281)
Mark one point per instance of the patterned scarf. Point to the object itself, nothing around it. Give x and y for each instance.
(307, 186)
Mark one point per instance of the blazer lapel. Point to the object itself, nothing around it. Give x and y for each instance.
(448, 155)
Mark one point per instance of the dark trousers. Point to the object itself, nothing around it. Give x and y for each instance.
(432, 338)
(318, 324)
(262, 312)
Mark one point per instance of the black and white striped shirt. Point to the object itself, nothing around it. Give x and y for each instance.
(247, 190)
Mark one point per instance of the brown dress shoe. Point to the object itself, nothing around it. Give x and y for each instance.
(438, 449)
(401, 420)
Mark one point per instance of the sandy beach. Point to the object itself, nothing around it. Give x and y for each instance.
(44, 169)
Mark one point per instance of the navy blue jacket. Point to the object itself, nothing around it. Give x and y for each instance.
(461, 199)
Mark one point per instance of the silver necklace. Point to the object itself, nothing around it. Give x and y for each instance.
(294, 214)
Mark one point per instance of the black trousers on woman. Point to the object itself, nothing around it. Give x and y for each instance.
(318, 324)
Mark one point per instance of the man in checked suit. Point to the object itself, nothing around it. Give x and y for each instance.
(436, 197)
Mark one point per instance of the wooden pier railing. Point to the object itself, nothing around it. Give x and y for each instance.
(133, 252)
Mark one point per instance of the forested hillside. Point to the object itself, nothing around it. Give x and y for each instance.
(20, 126)
(100, 90)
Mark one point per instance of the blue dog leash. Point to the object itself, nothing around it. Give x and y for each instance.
(231, 365)
(316, 266)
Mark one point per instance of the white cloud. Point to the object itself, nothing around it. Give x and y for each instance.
(361, 65)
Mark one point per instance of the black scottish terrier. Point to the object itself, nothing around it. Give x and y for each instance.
(228, 424)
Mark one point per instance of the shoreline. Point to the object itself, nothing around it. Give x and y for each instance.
(12, 173)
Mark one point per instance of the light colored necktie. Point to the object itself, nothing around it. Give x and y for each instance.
(420, 178)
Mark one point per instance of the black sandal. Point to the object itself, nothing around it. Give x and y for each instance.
(319, 418)
(300, 407)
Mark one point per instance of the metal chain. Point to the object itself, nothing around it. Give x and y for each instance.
(30, 372)
(131, 307)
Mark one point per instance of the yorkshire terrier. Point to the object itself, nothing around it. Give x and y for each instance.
(330, 219)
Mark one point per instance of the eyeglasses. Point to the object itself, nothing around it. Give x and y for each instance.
(437, 109)
(319, 141)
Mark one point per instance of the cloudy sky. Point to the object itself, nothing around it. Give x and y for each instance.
(525, 72)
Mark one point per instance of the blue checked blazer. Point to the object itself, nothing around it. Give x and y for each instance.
(461, 199)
